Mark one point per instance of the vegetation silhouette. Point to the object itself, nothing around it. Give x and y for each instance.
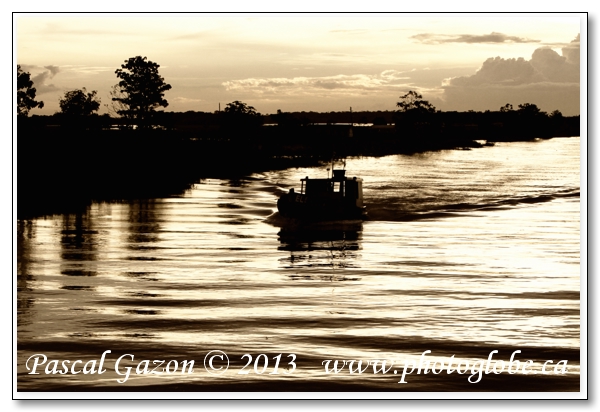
(26, 93)
(413, 102)
(140, 91)
(240, 121)
(78, 109)
(79, 103)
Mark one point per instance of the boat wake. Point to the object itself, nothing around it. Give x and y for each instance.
(403, 209)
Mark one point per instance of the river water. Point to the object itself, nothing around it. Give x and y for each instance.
(463, 253)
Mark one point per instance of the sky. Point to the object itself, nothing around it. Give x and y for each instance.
(312, 62)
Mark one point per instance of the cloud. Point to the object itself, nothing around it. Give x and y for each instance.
(553, 67)
(548, 80)
(493, 37)
(87, 70)
(500, 71)
(340, 84)
(571, 51)
(39, 80)
(184, 100)
(52, 69)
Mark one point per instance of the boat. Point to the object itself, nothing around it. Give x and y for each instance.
(336, 198)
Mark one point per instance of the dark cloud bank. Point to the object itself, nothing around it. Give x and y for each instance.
(493, 37)
(40, 80)
(549, 80)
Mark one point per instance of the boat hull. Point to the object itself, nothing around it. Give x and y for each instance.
(300, 206)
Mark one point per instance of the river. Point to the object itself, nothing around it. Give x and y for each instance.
(464, 252)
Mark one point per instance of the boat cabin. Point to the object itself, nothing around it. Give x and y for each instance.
(338, 197)
(336, 187)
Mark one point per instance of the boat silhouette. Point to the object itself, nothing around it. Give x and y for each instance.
(336, 198)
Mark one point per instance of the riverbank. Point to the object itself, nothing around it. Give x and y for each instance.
(63, 170)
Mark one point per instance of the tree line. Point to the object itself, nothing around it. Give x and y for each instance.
(135, 98)
(140, 92)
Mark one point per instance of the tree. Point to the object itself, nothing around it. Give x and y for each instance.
(79, 103)
(142, 90)
(116, 105)
(240, 121)
(25, 93)
(413, 101)
(238, 108)
(506, 108)
(529, 109)
(239, 115)
(531, 121)
(415, 116)
(556, 114)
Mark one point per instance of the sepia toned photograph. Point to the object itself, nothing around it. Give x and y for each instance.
(299, 205)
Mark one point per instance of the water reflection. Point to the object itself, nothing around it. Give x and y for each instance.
(25, 236)
(241, 183)
(79, 245)
(144, 224)
(332, 245)
(145, 219)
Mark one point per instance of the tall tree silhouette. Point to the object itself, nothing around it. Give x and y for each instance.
(413, 101)
(25, 93)
(415, 116)
(142, 90)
